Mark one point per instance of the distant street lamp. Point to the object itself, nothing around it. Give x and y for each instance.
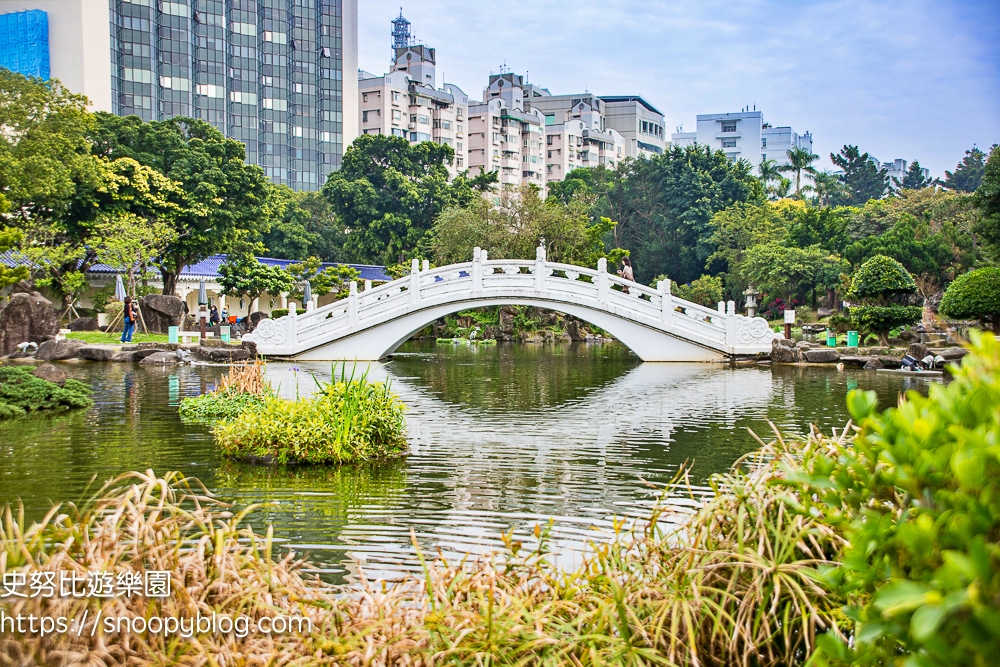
(203, 308)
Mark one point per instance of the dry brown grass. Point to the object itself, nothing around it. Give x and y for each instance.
(246, 378)
(737, 584)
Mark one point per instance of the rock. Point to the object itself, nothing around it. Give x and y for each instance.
(953, 353)
(96, 353)
(803, 345)
(219, 355)
(58, 350)
(786, 342)
(908, 336)
(250, 347)
(28, 318)
(126, 357)
(84, 324)
(854, 360)
(24, 287)
(873, 364)
(139, 355)
(824, 312)
(890, 361)
(573, 331)
(821, 356)
(161, 311)
(212, 342)
(783, 354)
(161, 358)
(917, 350)
(51, 374)
(253, 319)
(506, 319)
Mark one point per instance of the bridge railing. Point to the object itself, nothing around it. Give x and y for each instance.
(720, 328)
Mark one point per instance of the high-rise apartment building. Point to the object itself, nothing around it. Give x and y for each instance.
(267, 72)
(405, 102)
(745, 135)
(639, 122)
(506, 137)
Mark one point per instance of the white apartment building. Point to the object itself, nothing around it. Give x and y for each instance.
(744, 135)
(639, 122)
(897, 171)
(506, 138)
(405, 103)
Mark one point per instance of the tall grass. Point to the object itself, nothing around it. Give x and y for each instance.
(242, 390)
(353, 419)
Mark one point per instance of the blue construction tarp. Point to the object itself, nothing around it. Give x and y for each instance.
(24, 42)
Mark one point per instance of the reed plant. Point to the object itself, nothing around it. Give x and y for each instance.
(243, 389)
(349, 420)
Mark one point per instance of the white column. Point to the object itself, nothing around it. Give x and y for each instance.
(426, 265)
(602, 280)
(540, 268)
(368, 285)
(477, 269)
(730, 324)
(415, 281)
(291, 339)
(283, 300)
(666, 301)
(352, 303)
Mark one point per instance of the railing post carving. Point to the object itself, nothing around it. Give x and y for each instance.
(352, 304)
(731, 324)
(477, 270)
(292, 333)
(415, 281)
(666, 302)
(540, 268)
(602, 280)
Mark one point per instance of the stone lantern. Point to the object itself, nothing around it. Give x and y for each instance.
(751, 295)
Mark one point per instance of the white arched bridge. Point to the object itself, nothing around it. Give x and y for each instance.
(654, 324)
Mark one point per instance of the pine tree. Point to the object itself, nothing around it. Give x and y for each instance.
(969, 172)
(914, 178)
(862, 177)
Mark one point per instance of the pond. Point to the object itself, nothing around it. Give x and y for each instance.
(502, 438)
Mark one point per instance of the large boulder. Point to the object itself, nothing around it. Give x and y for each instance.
(84, 324)
(873, 364)
(124, 357)
(917, 350)
(953, 353)
(822, 356)
(782, 353)
(96, 353)
(28, 318)
(854, 360)
(50, 373)
(59, 350)
(219, 355)
(161, 311)
(573, 331)
(161, 358)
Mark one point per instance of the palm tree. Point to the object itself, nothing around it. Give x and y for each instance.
(799, 160)
(827, 187)
(768, 173)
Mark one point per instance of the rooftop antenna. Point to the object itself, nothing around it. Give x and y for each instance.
(400, 34)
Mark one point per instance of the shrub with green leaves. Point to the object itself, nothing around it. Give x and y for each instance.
(975, 295)
(916, 493)
(705, 291)
(344, 422)
(877, 282)
(21, 392)
(278, 312)
(228, 404)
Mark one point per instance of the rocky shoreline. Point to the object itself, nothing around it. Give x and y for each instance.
(208, 351)
(785, 351)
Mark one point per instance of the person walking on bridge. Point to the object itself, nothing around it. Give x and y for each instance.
(626, 272)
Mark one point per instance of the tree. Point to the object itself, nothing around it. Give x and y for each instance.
(880, 280)
(862, 178)
(10, 238)
(769, 173)
(827, 188)
(388, 192)
(987, 200)
(321, 280)
(705, 291)
(223, 200)
(129, 243)
(785, 271)
(302, 226)
(969, 172)
(245, 277)
(514, 226)
(799, 160)
(975, 295)
(914, 178)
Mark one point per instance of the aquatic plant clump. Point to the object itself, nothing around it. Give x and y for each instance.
(344, 422)
(21, 392)
(242, 390)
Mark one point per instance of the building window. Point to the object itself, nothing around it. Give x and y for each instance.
(395, 96)
(729, 143)
(397, 116)
(364, 97)
(763, 142)
(364, 116)
(729, 127)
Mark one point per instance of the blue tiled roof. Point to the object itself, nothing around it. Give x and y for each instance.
(208, 269)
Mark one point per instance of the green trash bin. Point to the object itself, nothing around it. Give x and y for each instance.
(831, 339)
(852, 339)
(172, 334)
(224, 334)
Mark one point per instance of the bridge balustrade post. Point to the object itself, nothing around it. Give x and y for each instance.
(291, 335)
(477, 269)
(426, 265)
(415, 282)
(368, 285)
(666, 301)
(602, 280)
(731, 323)
(540, 268)
(352, 304)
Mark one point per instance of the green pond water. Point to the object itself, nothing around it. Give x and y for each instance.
(502, 438)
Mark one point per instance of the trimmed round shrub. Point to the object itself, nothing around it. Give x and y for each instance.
(880, 320)
(880, 279)
(974, 295)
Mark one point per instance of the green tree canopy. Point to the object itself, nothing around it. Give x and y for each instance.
(799, 160)
(244, 277)
(880, 279)
(862, 179)
(975, 295)
(303, 226)
(969, 172)
(224, 200)
(388, 192)
(705, 291)
(783, 271)
(987, 200)
(914, 178)
(321, 280)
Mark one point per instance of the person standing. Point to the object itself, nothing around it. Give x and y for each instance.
(626, 272)
(213, 316)
(130, 313)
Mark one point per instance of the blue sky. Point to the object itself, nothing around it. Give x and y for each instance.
(902, 79)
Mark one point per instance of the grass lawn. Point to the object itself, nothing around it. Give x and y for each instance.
(101, 338)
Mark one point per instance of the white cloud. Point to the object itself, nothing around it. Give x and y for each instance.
(917, 79)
